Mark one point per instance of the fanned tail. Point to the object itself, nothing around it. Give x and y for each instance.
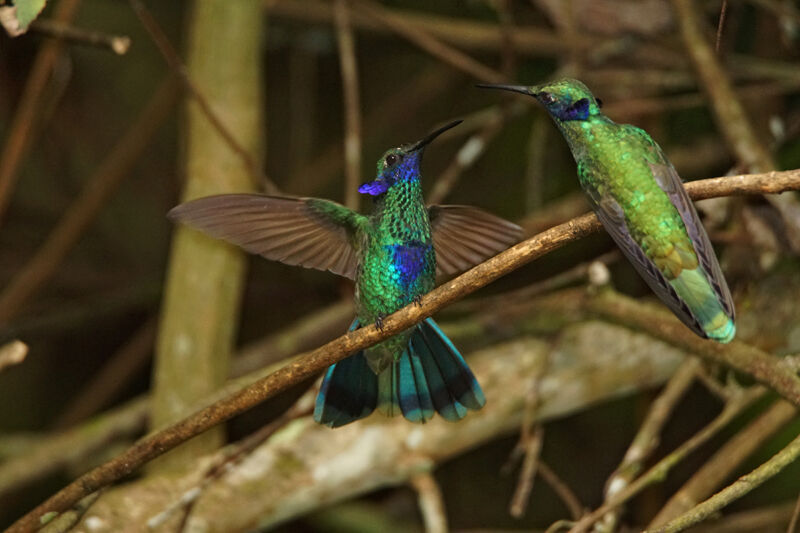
(349, 391)
(430, 376)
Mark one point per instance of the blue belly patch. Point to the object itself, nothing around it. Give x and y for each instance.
(409, 261)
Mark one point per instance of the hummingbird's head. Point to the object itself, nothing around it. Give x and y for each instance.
(565, 99)
(401, 164)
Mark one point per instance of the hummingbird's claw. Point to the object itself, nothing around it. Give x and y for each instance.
(379, 323)
(418, 300)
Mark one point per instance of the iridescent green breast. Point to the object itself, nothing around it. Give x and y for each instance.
(398, 262)
(617, 163)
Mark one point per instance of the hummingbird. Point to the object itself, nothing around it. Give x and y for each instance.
(640, 200)
(393, 255)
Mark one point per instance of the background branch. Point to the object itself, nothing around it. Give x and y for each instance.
(762, 366)
(272, 484)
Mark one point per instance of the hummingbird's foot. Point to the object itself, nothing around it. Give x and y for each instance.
(418, 300)
(379, 322)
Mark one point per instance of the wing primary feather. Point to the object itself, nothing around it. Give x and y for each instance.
(298, 231)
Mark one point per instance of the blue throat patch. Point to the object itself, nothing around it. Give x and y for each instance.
(377, 187)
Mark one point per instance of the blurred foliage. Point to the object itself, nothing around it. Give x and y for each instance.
(109, 284)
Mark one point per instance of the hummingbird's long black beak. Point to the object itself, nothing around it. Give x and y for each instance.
(515, 88)
(431, 136)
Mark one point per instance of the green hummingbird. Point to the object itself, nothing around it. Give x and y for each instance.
(639, 197)
(393, 255)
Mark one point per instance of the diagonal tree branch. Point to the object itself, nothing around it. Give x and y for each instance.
(736, 490)
(762, 366)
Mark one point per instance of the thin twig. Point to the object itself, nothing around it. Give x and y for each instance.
(532, 446)
(793, 523)
(647, 438)
(562, 490)
(659, 471)
(724, 461)
(466, 33)
(571, 276)
(352, 106)
(469, 153)
(45, 263)
(736, 490)
(427, 42)
(420, 89)
(761, 366)
(530, 443)
(730, 114)
(721, 25)
(54, 453)
(66, 521)
(179, 68)
(119, 44)
(26, 118)
(431, 502)
(303, 407)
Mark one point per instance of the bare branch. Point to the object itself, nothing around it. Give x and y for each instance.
(658, 471)
(736, 490)
(47, 259)
(173, 59)
(119, 44)
(760, 365)
(427, 42)
(725, 461)
(26, 118)
(431, 502)
(647, 438)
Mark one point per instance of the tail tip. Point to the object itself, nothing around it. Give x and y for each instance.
(723, 334)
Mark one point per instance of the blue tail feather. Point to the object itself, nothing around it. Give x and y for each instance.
(445, 360)
(411, 385)
(430, 376)
(349, 391)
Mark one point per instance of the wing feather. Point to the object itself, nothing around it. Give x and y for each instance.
(612, 217)
(670, 182)
(297, 231)
(465, 236)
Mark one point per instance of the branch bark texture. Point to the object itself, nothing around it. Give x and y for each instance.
(771, 372)
(306, 466)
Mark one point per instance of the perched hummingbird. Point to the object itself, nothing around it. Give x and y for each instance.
(393, 255)
(639, 197)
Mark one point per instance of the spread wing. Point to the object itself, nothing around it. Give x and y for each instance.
(465, 236)
(306, 232)
(670, 182)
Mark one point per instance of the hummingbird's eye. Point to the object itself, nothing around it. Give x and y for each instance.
(599, 102)
(391, 159)
(546, 98)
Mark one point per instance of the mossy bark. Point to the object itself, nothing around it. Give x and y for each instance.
(205, 276)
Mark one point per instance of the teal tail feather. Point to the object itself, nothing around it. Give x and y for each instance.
(349, 391)
(694, 289)
(430, 376)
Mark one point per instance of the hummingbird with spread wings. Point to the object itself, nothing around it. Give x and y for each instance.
(393, 255)
(640, 199)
